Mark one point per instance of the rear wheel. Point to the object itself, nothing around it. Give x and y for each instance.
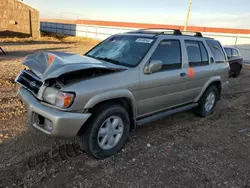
(208, 101)
(106, 132)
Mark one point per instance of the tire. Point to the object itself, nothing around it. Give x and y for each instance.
(90, 139)
(202, 111)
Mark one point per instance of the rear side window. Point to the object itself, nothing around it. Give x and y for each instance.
(197, 53)
(169, 52)
(217, 51)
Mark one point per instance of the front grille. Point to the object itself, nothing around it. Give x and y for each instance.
(29, 80)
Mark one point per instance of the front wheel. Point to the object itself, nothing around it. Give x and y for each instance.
(106, 133)
(208, 102)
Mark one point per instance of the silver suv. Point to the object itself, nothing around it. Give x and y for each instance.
(127, 80)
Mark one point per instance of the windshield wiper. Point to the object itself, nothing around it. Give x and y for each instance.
(105, 59)
(109, 60)
(90, 56)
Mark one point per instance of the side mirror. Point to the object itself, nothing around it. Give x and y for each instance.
(153, 66)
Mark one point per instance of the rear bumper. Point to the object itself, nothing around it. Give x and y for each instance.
(64, 124)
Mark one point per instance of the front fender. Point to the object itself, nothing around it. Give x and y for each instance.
(208, 83)
(113, 94)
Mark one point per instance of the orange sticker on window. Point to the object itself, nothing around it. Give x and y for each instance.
(50, 59)
(190, 72)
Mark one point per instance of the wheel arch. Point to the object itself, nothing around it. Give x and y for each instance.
(214, 81)
(122, 97)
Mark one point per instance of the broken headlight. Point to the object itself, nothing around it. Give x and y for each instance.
(58, 98)
(64, 100)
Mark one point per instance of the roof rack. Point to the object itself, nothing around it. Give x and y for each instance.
(165, 31)
(192, 33)
(162, 30)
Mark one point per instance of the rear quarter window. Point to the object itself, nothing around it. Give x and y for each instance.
(217, 51)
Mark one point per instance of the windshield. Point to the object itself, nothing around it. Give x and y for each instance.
(124, 50)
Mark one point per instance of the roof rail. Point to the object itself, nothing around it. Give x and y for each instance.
(167, 30)
(192, 33)
(162, 30)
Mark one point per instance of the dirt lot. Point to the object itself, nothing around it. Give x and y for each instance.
(180, 151)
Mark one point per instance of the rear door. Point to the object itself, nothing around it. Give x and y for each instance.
(207, 60)
(198, 70)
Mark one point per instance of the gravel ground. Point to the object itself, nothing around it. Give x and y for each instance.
(180, 151)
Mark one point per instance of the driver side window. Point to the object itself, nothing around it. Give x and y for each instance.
(169, 52)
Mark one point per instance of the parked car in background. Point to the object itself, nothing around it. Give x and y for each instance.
(127, 80)
(235, 61)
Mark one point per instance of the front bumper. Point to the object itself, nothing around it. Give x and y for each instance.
(65, 124)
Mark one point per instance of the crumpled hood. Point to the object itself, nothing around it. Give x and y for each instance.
(47, 65)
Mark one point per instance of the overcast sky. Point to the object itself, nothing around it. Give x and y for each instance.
(215, 13)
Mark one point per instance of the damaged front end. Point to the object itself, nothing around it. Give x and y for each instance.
(80, 75)
(47, 73)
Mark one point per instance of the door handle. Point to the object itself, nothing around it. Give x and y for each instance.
(183, 74)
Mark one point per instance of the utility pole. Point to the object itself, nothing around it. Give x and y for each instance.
(189, 9)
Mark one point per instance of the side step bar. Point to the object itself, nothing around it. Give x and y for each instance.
(164, 114)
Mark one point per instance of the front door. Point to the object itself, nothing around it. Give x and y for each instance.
(166, 88)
